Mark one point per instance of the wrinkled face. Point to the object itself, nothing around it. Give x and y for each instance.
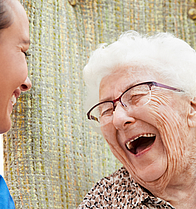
(148, 140)
(14, 41)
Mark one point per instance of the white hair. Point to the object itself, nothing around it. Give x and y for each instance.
(172, 58)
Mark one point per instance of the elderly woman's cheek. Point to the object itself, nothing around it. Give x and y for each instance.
(111, 136)
(173, 129)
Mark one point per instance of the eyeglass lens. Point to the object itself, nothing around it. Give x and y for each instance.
(131, 98)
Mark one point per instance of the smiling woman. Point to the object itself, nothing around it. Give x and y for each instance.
(145, 107)
(13, 70)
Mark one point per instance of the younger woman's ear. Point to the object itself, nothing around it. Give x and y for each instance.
(192, 113)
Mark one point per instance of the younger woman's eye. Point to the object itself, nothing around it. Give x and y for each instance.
(26, 54)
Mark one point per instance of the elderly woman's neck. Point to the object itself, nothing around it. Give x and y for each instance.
(181, 195)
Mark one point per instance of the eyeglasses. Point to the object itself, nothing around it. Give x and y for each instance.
(136, 96)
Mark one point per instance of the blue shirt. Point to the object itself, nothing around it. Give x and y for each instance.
(6, 201)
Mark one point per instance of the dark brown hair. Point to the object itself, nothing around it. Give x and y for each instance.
(5, 14)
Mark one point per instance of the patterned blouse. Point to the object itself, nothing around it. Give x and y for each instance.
(120, 191)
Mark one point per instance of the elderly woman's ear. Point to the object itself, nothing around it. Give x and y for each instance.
(192, 113)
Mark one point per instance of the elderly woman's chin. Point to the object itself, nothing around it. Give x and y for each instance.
(150, 170)
(152, 173)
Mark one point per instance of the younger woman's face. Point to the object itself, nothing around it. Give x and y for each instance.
(14, 42)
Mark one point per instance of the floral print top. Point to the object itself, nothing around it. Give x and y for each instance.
(120, 191)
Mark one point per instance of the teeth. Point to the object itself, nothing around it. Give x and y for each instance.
(129, 143)
(13, 99)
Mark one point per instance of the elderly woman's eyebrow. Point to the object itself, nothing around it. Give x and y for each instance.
(106, 99)
(109, 98)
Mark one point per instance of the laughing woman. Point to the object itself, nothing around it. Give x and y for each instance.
(14, 42)
(145, 107)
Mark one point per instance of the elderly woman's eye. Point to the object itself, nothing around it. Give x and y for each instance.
(107, 112)
(135, 98)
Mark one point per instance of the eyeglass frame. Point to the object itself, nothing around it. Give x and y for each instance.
(149, 83)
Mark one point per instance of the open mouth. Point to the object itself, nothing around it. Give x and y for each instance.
(140, 143)
(15, 95)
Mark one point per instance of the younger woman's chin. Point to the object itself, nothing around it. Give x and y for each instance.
(5, 127)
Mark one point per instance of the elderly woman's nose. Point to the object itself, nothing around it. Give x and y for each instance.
(26, 85)
(122, 117)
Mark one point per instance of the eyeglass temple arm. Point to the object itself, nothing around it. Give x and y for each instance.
(166, 87)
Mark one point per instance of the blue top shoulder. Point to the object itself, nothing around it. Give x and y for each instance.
(6, 201)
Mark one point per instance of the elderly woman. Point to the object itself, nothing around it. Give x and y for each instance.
(142, 96)
(14, 43)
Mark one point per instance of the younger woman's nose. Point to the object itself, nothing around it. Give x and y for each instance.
(26, 85)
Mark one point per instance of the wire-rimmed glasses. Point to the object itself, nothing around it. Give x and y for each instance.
(136, 96)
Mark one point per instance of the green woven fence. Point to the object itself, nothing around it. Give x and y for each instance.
(52, 156)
